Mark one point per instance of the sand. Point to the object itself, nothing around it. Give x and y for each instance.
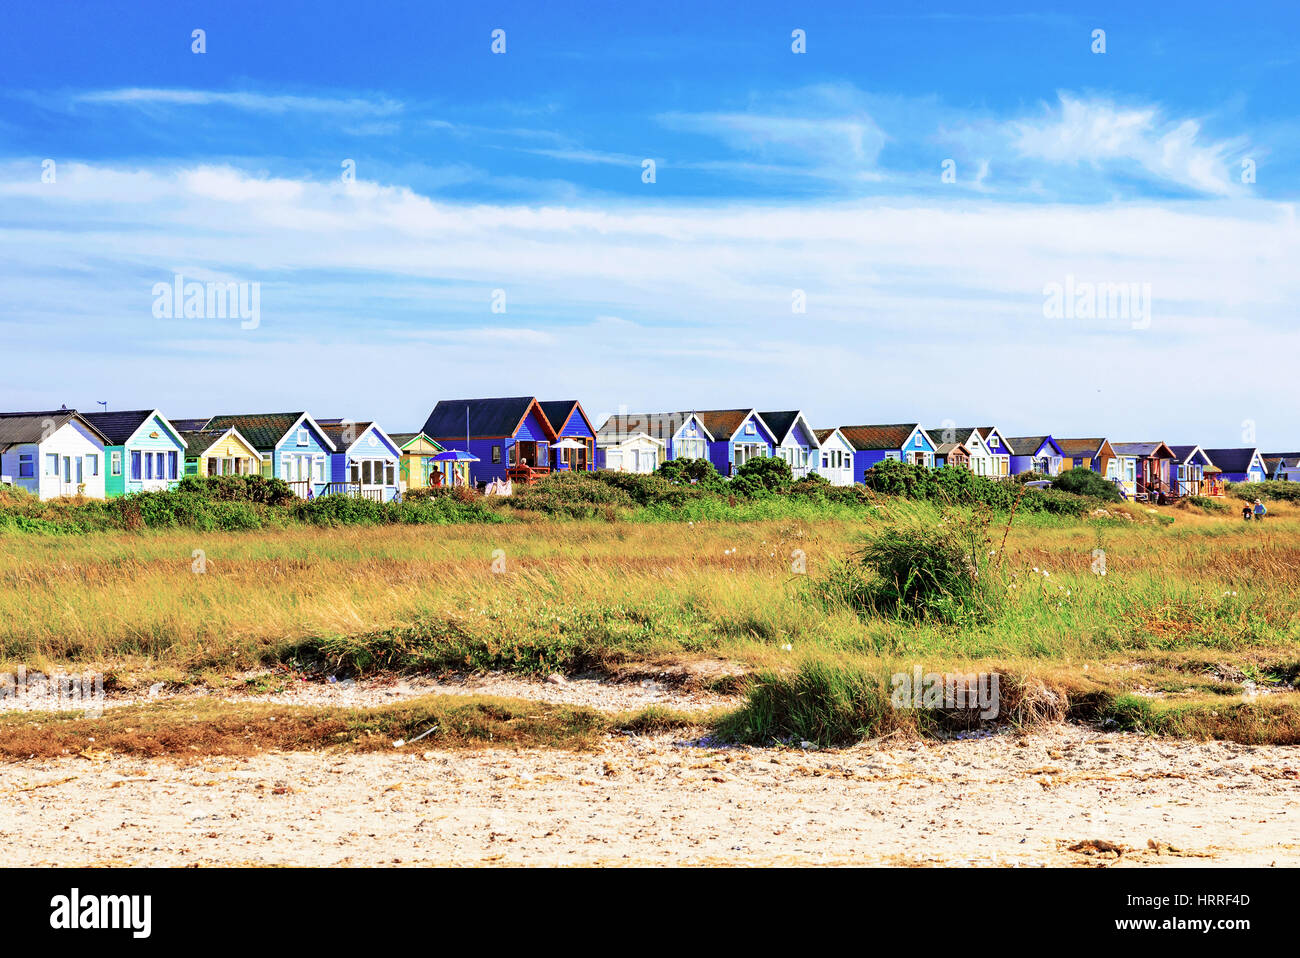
(1004, 799)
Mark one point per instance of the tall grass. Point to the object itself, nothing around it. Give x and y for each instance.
(1178, 605)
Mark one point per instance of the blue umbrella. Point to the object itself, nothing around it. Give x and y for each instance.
(455, 455)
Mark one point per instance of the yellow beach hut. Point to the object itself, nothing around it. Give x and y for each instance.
(220, 452)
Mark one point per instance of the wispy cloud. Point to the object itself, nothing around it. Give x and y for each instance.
(826, 127)
(250, 101)
(1100, 132)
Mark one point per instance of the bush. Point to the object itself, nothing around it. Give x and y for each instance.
(748, 486)
(690, 471)
(654, 489)
(1206, 503)
(1085, 482)
(825, 703)
(245, 488)
(1276, 490)
(575, 495)
(930, 571)
(819, 489)
(956, 485)
(771, 473)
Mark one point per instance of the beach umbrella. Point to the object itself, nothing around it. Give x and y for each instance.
(455, 457)
(569, 443)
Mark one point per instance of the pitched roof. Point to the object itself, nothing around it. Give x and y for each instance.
(262, 430)
(488, 418)
(1024, 445)
(336, 428)
(190, 425)
(1143, 450)
(199, 442)
(121, 426)
(404, 439)
(559, 411)
(865, 438)
(948, 448)
(1082, 447)
(1183, 454)
(781, 424)
(722, 423)
(1231, 460)
(961, 433)
(657, 425)
(1292, 458)
(16, 427)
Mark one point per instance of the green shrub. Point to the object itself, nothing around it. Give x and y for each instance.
(1277, 490)
(243, 488)
(1085, 482)
(575, 495)
(937, 571)
(956, 485)
(1207, 503)
(827, 704)
(749, 486)
(690, 471)
(770, 472)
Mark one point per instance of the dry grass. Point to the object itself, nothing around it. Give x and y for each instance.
(1187, 613)
(213, 727)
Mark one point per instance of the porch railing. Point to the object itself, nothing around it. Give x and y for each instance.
(526, 474)
(356, 490)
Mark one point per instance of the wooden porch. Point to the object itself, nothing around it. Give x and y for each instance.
(526, 475)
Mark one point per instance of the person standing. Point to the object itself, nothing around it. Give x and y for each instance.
(1259, 510)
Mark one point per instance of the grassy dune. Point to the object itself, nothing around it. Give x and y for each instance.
(1189, 610)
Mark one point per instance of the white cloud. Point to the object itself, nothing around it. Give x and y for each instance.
(253, 102)
(916, 308)
(1099, 132)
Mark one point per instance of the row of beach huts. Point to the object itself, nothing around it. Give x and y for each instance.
(500, 442)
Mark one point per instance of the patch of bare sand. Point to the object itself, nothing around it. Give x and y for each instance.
(1064, 796)
(679, 687)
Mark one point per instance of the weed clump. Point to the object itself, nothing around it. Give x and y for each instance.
(937, 572)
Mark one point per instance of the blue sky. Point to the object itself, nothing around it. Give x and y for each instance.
(778, 176)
